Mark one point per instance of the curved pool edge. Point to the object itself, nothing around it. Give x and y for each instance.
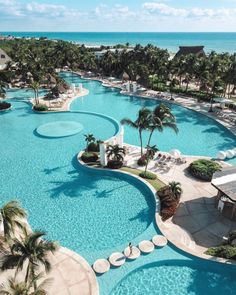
(160, 224)
(218, 120)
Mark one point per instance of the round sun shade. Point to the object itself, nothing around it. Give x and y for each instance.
(59, 129)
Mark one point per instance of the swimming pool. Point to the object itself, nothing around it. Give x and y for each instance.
(198, 134)
(92, 212)
(175, 277)
(85, 210)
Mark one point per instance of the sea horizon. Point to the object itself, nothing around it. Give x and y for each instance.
(213, 41)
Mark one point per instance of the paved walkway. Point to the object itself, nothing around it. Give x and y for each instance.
(189, 102)
(197, 224)
(70, 274)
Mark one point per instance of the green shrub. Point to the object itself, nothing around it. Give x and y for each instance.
(204, 169)
(40, 108)
(148, 175)
(142, 161)
(114, 164)
(4, 105)
(89, 157)
(93, 147)
(227, 252)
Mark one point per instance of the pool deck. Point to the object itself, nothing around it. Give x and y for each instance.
(197, 224)
(70, 274)
(186, 101)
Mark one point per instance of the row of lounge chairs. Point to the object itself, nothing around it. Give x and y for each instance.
(225, 116)
(168, 161)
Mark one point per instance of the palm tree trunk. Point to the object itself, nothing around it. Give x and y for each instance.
(141, 141)
(27, 273)
(150, 136)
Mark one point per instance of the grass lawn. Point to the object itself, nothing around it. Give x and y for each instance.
(157, 183)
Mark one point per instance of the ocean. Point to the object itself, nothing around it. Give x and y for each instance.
(219, 42)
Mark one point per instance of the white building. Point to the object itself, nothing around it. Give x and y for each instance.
(4, 59)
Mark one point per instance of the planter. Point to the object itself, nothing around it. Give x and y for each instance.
(5, 106)
(113, 164)
(88, 157)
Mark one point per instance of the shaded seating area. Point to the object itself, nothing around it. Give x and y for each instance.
(225, 182)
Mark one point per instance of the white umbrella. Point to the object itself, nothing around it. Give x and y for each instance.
(175, 153)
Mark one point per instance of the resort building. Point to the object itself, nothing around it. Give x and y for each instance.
(185, 50)
(4, 59)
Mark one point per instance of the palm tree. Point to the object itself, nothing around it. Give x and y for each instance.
(12, 215)
(115, 152)
(89, 138)
(141, 123)
(161, 118)
(35, 86)
(176, 188)
(31, 251)
(14, 287)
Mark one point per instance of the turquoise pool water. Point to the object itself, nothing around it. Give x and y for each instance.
(92, 212)
(198, 134)
(177, 278)
(85, 210)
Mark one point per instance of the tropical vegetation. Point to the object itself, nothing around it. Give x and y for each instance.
(24, 251)
(169, 197)
(150, 121)
(200, 76)
(12, 215)
(204, 169)
(115, 155)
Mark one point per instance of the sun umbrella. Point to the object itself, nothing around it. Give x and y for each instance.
(175, 153)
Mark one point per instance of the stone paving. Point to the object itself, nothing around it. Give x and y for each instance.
(70, 274)
(197, 224)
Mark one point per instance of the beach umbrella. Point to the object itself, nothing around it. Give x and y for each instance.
(175, 153)
(111, 78)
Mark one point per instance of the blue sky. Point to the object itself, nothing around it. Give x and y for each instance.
(118, 15)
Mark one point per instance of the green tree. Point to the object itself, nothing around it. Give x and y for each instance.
(115, 152)
(12, 215)
(89, 138)
(31, 251)
(141, 123)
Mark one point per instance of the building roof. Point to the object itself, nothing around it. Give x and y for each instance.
(4, 58)
(185, 50)
(225, 182)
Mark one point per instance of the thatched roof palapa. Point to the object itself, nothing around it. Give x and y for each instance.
(185, 50)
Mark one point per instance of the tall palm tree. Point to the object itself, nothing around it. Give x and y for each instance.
(12, 215)
(161, 118)
(31, 251)
(35, 86)
(141, 123)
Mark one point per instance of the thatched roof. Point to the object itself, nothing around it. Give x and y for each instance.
(185, 50)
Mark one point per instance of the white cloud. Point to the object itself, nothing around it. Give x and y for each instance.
(163, 9)
(117, 11)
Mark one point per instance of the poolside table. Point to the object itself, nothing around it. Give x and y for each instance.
(225, 182)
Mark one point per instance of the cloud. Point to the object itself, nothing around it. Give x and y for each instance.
(117, 11)
(162, 9)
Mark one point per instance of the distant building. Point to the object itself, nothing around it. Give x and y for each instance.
(4, 59)
(185, 50)
(99, 54)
